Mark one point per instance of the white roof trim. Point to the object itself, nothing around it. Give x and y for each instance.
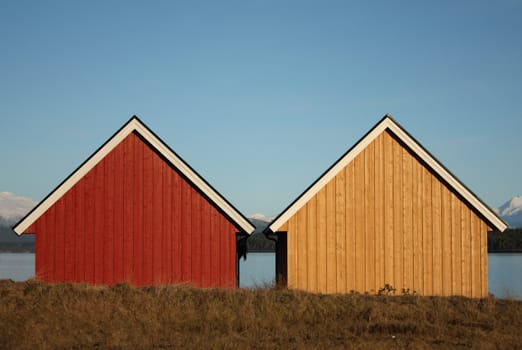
(135, 124)
(387, 123)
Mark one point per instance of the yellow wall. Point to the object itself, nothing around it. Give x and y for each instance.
(387, 219)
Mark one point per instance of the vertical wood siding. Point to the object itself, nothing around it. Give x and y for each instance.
(387, 219)
(134, 219)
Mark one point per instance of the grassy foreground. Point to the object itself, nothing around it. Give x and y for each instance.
(40, 315)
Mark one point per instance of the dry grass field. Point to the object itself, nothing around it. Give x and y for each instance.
(37, 315)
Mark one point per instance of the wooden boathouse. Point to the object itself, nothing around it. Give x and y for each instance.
(136, 212)
(386, 213)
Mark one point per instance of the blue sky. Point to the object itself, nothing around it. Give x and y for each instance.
(260, 97)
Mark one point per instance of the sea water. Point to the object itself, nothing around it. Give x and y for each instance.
(258, 270)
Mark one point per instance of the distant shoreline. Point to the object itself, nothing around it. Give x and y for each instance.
(13, 247)
(509, 241)
(504, 251)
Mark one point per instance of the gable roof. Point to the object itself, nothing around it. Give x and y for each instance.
(387, 123)
(136, 125)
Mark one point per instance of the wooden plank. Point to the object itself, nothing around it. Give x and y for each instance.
(157, 220)
(398, 230)
(108, 220)
(54, 239)
(437, 236)
(80, 229)
(418, 262)
(340, 232)
(118, 178)
(331, 260)
(456, 245)
(186, 231)
(214, 246)
(166, 215)
(232, 230)
(162, 221)
(369, 207)
(219, 256)
(57, 244)
(484, 258)
(302, 251)
(138, 248)
(176, 228)
(69, 235)
(321, 241)
(466, 250)
(311, 232)
(407, 163)
(167, 223)
(124, 225)
(389, 270)
(53, 242)
(59, 227)
(476, 282)
(148, 216)
(223, 253)
(99, 224)
(446, 242)
(350, 228)
(89, 226)
(427, 234)
(206, 254)
(231, 254)
(360, 225)
(379, 212)
(301, 245)
(195, 237)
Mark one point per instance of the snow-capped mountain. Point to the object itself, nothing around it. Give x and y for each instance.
(13, 207)
(511, 211)
(260, 221)
(260, 217)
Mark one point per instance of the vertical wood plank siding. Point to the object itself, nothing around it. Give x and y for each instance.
(134, 219)
(387, 219)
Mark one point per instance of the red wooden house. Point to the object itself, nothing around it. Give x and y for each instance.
(136, 212)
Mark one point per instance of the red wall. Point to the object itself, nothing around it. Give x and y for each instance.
(134, 219)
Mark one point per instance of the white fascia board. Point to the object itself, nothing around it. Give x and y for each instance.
(388, 123)
(134, 125)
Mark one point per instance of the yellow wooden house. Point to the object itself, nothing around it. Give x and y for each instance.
(386, 213)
